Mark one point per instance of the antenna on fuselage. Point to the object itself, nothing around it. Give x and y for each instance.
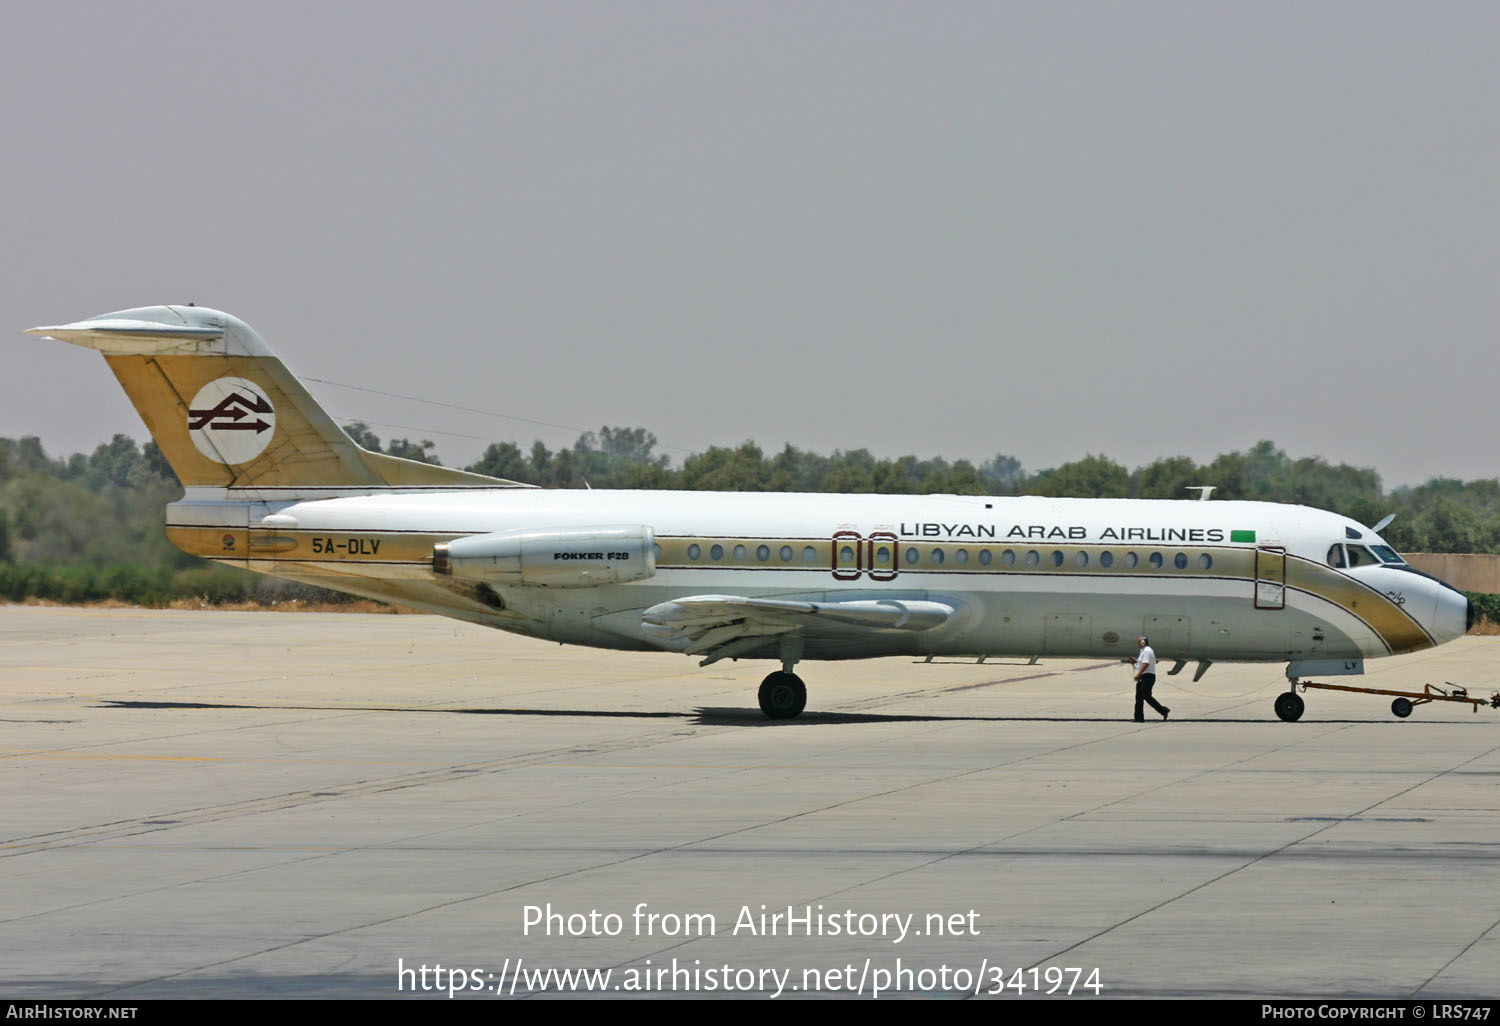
(1383, 523)
(1204, 491)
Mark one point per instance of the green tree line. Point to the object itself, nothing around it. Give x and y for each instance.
(1443, 515)
(89, 527)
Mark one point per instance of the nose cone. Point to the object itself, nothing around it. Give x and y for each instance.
(1454, 615)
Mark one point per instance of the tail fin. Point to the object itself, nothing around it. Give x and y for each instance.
(227, 413)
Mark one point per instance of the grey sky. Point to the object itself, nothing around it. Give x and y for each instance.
(944, 229)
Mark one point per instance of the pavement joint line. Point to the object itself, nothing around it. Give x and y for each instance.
(638, 844)
(405, 915)
(449, 771)
(1064, 819)
(372, 923)
(287, 800)
(909, 869)
(354, 849)
(945, 856)
(1268, 855)
(1492, 926)
(179, 736)
(1462, 952)
(582, 869)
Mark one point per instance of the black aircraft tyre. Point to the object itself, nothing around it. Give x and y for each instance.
(1289, 706)
(1401, 707)
(783, 696)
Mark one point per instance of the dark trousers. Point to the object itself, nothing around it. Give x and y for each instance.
(1143, 688)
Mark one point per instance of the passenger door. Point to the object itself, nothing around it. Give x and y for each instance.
(1270, 577)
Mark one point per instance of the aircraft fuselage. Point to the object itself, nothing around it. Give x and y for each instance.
(1226, 580)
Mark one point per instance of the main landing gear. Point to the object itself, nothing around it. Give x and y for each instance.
(782, 695)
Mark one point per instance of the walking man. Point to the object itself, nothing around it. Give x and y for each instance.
(1145, 680)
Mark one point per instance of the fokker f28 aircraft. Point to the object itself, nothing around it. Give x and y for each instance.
(274, 485)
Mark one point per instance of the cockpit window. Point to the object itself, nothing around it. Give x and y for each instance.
(1336, 556)
(1387, 554)
(1361, 556)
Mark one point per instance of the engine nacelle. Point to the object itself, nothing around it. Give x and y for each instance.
(578, 557)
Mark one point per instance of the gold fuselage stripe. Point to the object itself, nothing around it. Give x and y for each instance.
(1395, 627)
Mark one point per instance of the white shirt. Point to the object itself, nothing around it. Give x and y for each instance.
(1145, 662)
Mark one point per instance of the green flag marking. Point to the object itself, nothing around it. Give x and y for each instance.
(1242, 536)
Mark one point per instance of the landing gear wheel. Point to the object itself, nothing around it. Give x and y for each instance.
(1289, 706)
(782, 695)
(1401, 707)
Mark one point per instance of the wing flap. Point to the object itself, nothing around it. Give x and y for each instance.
(703, 622)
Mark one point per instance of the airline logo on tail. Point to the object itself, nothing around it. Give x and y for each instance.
(231, 421)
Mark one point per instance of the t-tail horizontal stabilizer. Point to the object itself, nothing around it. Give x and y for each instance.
(227, 413)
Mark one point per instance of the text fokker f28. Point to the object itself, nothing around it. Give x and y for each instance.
(274, 485)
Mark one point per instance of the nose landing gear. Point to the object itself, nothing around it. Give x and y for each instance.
(1289, 706)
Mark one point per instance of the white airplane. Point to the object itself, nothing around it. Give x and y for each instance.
(274, 485)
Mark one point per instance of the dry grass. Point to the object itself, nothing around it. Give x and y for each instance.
(198, 604)
(293, 606)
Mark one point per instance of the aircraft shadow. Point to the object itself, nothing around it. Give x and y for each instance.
(756, 718)
(718, 716)
(623, 713)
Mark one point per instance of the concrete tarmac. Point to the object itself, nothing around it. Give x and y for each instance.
(211, 804)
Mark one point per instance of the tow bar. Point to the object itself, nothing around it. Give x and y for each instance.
(1289, 705)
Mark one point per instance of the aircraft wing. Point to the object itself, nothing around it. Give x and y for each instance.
(722, 625)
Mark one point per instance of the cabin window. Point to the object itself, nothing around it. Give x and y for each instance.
(1131, 559)
(717, 552)
(1008, 557)
(1033, 557)
(786, 553)
(846, 556)
(763, 553)
(911, 557)
(694, 551)
(1156, 560)
(937, 557)
(1106, 559)
(985, 557)
(961, 556)
(1361, 556)
(1082, 559)
(740, 553)
(1057, 558)
(656, 550)
(809, 554)
(1180, 561)
(1205, 562)
(883, 556)
(1336, 556)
